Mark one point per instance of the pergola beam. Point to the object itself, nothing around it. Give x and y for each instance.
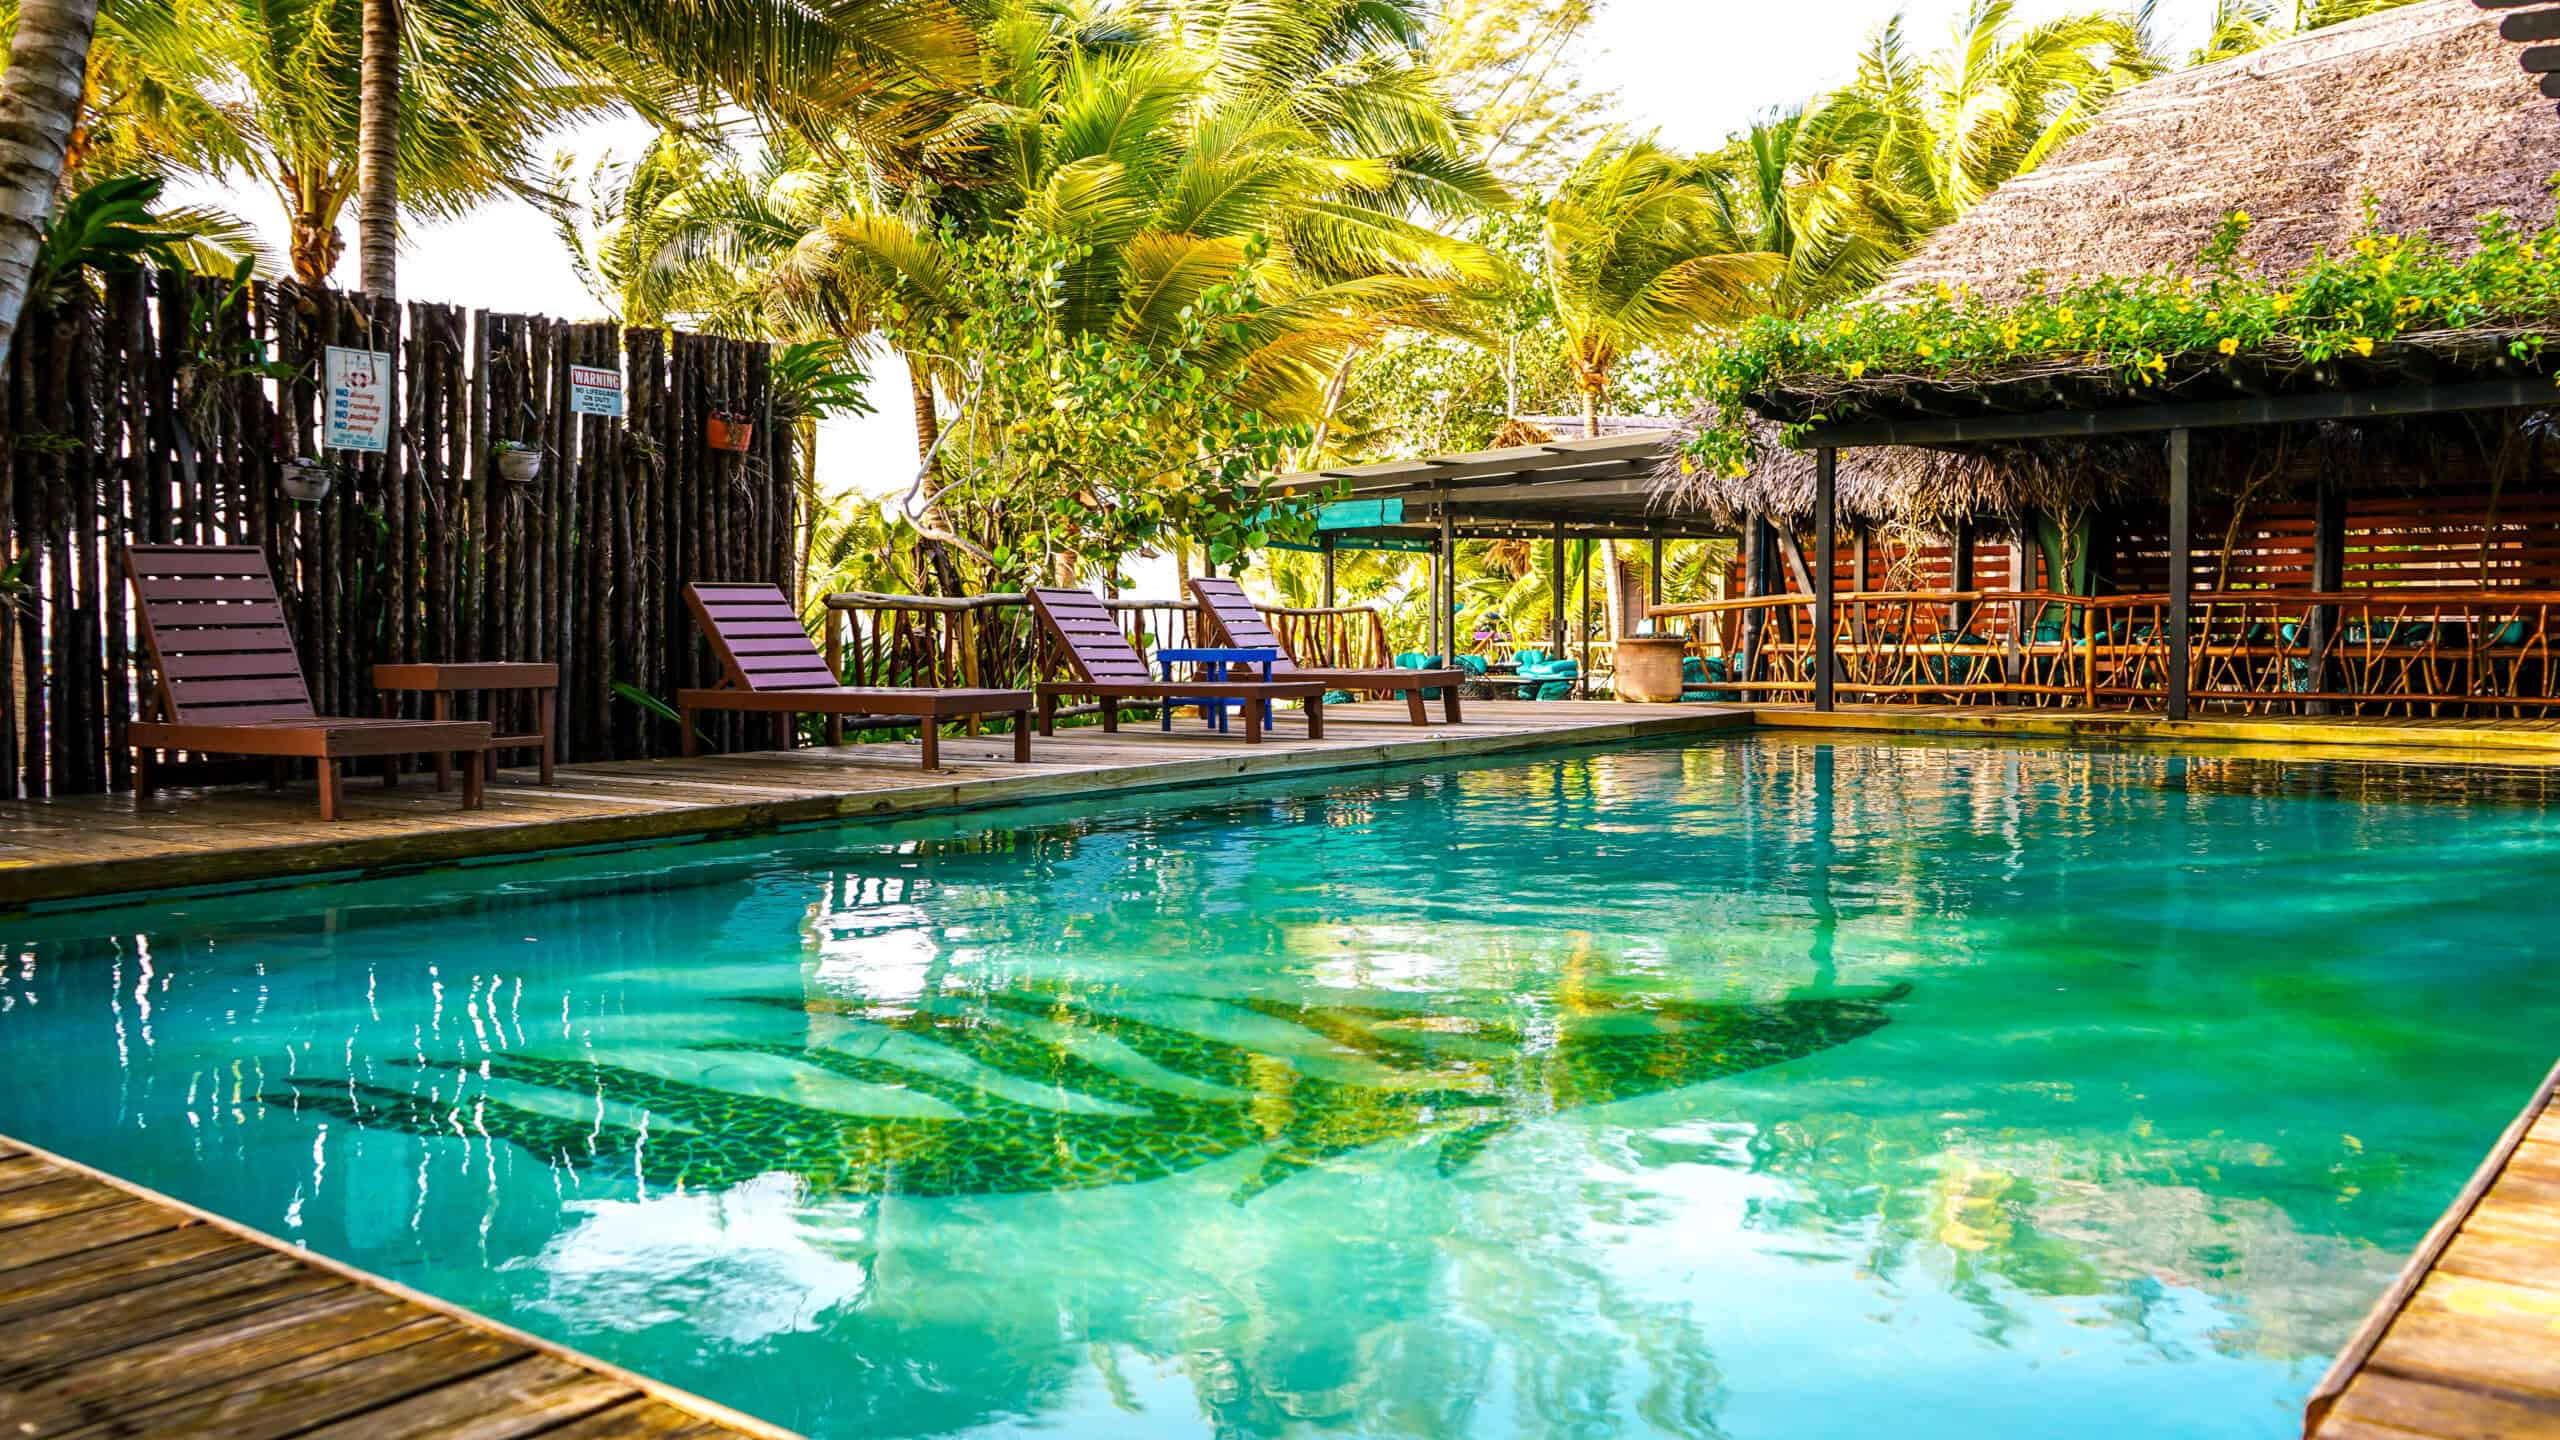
(2204, 415)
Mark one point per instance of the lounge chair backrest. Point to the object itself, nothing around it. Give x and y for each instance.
(1235, 617)
(759, 638)
(214, 627)
(1086, 629)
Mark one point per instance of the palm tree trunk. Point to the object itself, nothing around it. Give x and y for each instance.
(378, 149)
(39, 102)
(1616, 579)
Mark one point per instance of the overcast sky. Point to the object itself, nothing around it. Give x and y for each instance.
(1696, 70)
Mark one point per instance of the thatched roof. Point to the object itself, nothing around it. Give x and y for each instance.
(2423, 108)
(1909, 485)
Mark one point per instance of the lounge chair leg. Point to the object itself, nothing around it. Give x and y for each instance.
(1413, 707)
(1110, 715)
(475, 778)
(1449, 702)
(1252, 721)
(1315, 717)
(1021, 737)
(390, 772)
(146, 764)
(444, 758)
(1048, 714)
(328, 788)
(279, 773)
(930, 732)
(692, 742)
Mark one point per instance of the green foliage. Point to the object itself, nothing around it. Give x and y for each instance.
(104, 229)
(2148, 330)
(818, 379)
(1074, 449)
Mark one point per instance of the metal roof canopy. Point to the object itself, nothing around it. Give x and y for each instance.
(1595, 489)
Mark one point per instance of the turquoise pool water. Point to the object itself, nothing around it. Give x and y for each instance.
(1751, 1088)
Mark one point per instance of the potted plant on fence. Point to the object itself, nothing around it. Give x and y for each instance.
(519, 462)
(305, 479)
(731, 431)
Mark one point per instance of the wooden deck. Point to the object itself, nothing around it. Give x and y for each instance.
(2466, 1345)
(128, 1314)
(2505, 741)
(89, 847)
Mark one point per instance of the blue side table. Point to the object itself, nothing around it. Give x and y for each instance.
(1213, 664)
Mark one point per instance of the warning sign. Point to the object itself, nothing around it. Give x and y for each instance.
(594, 392)
(359, 386)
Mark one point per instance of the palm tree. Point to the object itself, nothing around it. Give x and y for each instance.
(1642, 252)
(378, 149)
(39, 104)
(1934, 135)
(2240, 26)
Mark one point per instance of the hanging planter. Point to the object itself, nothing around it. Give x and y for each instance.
(519, 462)
(306, 481)
(733, 433)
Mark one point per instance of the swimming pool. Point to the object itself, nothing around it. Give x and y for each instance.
(1752, 1088)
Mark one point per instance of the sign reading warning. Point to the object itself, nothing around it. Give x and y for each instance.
(594, 391)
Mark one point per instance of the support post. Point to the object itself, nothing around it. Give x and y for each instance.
(1555, 573)
(2328, 576)
(1446, 602)
(1960, 574)
(1325, 543)
(1582, 672)
(2181, 568)
(1826, 575)
(1653, 577)
(1755, 542)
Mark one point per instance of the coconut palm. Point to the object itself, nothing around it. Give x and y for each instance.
(1163, 151)
(1935, 134)
(2240, 26)
(39, 104)
(1642, 251)
(378, 148)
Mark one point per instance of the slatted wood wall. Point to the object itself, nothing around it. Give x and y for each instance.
(135, 418)
(2431, 541)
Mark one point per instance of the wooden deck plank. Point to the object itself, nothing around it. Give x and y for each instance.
(2399, 1406)
(330, 1386)
(106, 1225)
(111, 1269)
(126, 1313)
(218, 1356)
(2467, 1341)
(525, 1397)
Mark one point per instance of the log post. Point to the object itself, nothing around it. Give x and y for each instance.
(2181, 568)
(1826, 581)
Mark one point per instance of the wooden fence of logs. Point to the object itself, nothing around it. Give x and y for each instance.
(167, 409)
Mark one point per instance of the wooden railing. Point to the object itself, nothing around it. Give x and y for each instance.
(995, 641)
(2360, 652)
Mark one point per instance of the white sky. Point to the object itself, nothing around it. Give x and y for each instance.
(1695, 70)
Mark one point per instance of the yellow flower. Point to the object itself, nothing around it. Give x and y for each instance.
(1946, 292)
(2363, 345)
(2284, 304)
(2156, 365)
(1925, 351)
(1848, 327)
(1857, 369)
(2229, 345)
(2068, 315)
(2242, 217)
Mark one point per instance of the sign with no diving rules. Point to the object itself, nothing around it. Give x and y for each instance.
(359, 397)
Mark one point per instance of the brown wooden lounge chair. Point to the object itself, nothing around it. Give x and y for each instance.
(770, 667)
(229, 683)
(1108, 667)
(1237, 621)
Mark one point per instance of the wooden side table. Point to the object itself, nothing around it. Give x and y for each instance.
(443, 682)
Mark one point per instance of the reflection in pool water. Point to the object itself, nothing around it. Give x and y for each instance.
(1750, 1089)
